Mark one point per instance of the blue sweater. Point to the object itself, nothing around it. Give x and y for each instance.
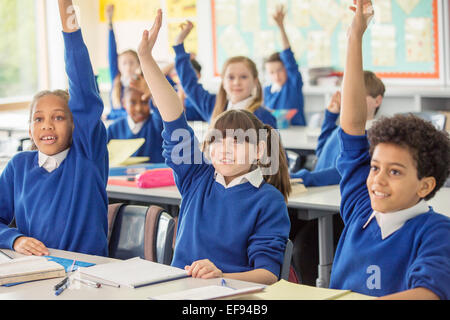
(416, 255)
(290, 96)
(67, 208)
(328, 149)
(151, 132)
(202, 99)
(236, 238)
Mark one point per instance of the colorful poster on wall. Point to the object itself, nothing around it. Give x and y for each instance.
(181, 8)
(130, 10)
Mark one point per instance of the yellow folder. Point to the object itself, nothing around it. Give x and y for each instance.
(120, 151)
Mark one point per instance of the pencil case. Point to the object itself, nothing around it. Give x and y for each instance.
(156, 178)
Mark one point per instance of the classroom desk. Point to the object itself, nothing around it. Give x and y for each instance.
(43, 289)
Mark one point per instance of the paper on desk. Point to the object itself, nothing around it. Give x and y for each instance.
(284, 290)
(120, 150)
(205, 293)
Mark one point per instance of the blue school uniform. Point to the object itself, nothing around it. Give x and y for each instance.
(328, 149)
(290, 96)
(236, 238)
(150, 131)
(416, 255)
(67, 208)
(202, 99)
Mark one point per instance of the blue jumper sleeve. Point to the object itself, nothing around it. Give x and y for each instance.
(319, 178)
(201, 99)
(328, 126)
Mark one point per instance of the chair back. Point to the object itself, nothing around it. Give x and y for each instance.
(286, 266)
(146, 232)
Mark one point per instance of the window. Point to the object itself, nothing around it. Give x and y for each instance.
(18, 49)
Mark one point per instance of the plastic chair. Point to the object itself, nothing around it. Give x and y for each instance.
(286, 266)
(146, 232)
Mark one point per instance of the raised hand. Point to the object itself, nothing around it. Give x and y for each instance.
(68, 16)
(185, 30)
(335, 103)
(110, 13)
(149, 37)
(363, 14)
(279, 15)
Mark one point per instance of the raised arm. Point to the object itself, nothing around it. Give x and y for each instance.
(68, 17)
(354, 108)
(279, 20)
(112, 45)
(164, 96)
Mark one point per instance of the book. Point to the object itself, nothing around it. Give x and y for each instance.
(29, 269)
(134, 273)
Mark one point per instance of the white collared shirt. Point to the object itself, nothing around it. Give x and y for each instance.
(243, 104)
(255, 177)
(275, 87)
(51, 163)
(392, 221)
(135, 127)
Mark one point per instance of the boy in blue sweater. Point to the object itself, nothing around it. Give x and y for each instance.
(139, 123)
(285, 92)
(240, 87)
(233, 221)
(393, 245)
(328, 148)
(57, 194)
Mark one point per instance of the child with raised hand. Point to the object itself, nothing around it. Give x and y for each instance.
(233, 218)
(328, 148)
(240, 87)
(285, 90)
(393, 245)
(57, 193)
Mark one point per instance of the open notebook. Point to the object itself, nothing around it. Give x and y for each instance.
(120, 151)
(28, 269)
(134, 273)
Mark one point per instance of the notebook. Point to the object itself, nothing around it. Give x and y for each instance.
(134, 273)
(29, 269)
(207, 292)
(120, 151)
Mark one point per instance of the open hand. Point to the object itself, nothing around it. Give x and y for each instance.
(363, 14)
(335, 103)
(186, 28)
(279, 15)
(204, 269)
(30, 246)
(149, 36)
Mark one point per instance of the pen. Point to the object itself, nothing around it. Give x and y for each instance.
(225, 284)
(89, 283)
(62, 288)
(60, 284)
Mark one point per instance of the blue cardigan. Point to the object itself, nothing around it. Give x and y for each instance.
(416, 255)
(67, 208)
(151, 132)
(200, 98)
(328, 149)
(239, 229)
(290, 96)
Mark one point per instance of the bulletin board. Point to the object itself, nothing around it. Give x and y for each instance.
(402, 40)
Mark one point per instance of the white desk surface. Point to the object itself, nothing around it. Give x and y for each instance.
(43, 289)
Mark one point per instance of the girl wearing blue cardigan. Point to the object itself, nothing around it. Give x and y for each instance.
(393, 244)
(240, 87)
(57, 193)
(285, 92)
(233, 218)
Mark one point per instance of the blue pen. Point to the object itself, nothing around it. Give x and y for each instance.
(62, 288)
(225, 284)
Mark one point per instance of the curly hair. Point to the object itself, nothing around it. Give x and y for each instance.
(429, 147)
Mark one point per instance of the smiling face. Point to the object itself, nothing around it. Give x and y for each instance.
(137, 109)
(393, 183)
(51, 125)
(238, 81)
